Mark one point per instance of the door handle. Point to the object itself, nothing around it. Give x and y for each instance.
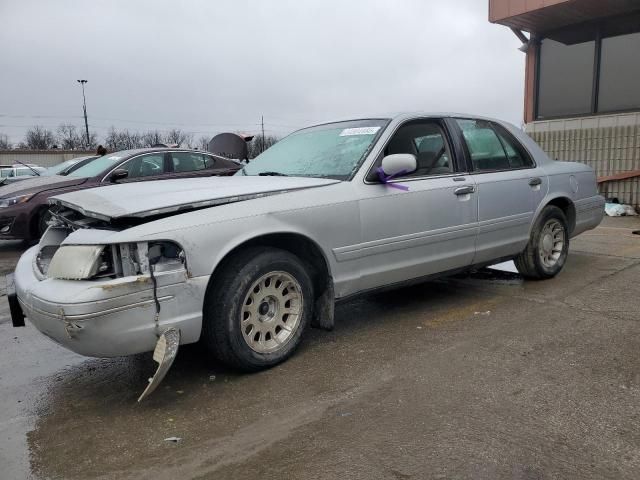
(535, 181)
(464, 190)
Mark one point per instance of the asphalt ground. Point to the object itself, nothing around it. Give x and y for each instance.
(484, 376)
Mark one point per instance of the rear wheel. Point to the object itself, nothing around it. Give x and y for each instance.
(257, 308)
(548, 246)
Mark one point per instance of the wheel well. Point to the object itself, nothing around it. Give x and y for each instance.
(34, 222)
(303, 247)
(569, 209)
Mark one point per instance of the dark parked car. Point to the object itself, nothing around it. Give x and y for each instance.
(24, 206)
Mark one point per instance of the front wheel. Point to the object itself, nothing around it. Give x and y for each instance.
(43, 222)
(257, 308)
(548, 246)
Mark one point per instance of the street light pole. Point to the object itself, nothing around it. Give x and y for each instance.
(84, 107)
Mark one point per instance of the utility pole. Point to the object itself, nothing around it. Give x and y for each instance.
(84, 107)
(262, 122)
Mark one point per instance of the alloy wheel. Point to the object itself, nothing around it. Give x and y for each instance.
(552, 239)
(271, 311)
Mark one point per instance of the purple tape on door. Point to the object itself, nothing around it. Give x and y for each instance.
(386, 179)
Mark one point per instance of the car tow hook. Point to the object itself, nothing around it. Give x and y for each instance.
(164, 354)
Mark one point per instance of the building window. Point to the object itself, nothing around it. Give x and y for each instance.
(619, 87)
(566, 78)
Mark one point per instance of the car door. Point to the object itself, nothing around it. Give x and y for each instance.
(428, 225)
(509, 186)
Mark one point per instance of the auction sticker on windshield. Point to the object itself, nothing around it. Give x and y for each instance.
(359, 131)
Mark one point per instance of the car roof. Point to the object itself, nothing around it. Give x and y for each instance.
(400, 116)
(138, 151)
(404, 116)
(79, 159)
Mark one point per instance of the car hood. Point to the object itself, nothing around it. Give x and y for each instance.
(38, 184)
(145, 199)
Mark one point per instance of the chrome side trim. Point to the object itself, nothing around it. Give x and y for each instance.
(505, 222)
(384, 245)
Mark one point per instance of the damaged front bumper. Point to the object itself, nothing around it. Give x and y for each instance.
(110, 317)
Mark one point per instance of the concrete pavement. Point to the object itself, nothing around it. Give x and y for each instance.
(484, 377)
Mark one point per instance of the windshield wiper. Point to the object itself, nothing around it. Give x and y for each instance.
(272, 174)
(29, 167)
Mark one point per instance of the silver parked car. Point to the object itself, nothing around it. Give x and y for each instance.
(247, 263)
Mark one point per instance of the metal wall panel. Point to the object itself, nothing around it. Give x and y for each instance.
(608, 143)
(43, 158)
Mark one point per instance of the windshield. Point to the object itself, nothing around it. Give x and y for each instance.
(332, 151)
(60, 167)
(97, 166)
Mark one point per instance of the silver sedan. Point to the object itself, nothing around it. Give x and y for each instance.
(246, 263)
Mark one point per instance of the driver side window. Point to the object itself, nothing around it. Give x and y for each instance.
(425, 140)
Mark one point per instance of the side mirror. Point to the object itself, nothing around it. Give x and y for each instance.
(399, 164)
(118, 174)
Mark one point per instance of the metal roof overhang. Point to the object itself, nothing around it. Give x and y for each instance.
(561, 14)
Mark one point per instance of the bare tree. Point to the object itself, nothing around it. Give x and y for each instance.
(259, 144)
(122, 140)
(203, 142)
(69, 138)
(112, 140)
(152, 137)
(4, 142)
(177, 136)
(39, 138)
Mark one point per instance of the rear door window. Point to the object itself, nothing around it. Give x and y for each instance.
(515, 154)
(491, 148)
(189, 161)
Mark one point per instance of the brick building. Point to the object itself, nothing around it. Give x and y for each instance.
(582, 83)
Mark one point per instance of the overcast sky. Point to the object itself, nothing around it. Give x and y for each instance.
(209, 66)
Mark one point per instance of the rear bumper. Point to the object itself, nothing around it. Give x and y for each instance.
(589, 214)
(112, 317)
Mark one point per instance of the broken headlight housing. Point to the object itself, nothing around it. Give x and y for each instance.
(88, 262)
(77, 262)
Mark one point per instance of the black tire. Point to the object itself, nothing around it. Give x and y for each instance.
(222, 330)
(41, 226)
(531, 262)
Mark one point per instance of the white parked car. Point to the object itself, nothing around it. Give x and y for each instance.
(15, 173)
(247, 263)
